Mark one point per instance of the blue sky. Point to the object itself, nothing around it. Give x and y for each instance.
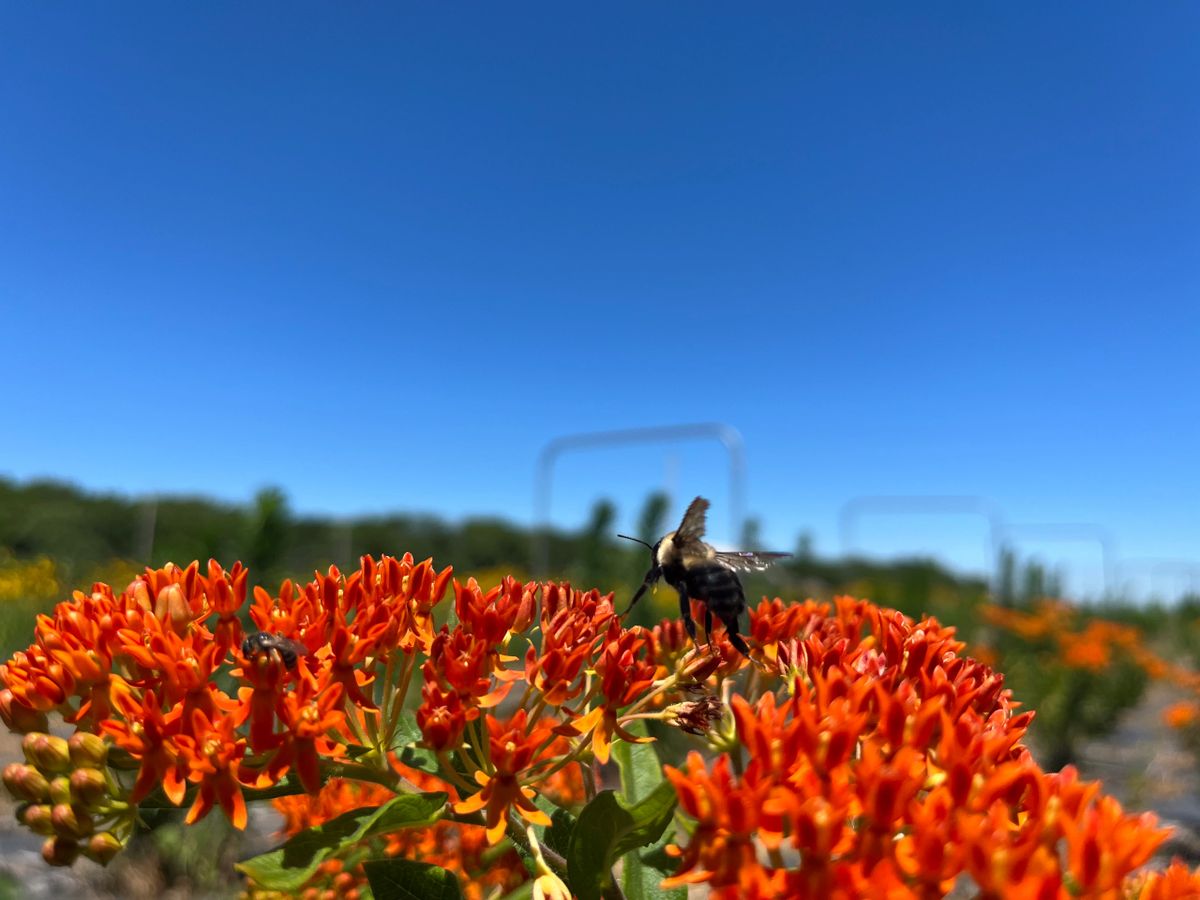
(380, 256)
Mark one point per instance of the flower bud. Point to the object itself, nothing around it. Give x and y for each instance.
(87, 749)
(25, 782)
(697, 666)
(549, 886)
(46, 751)
(89, 787)
(696, 716)
(36, 817)
(60, 851)
(71, 821)
(19, 717)
(102, 847)
(60, 789)
(172, 605)
(140, 593)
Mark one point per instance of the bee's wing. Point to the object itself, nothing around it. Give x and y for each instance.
(693, 524)
(295, 646)
(746, 561)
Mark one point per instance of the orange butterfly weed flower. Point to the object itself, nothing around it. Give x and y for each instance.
(626, 674)
(1174, 883)
(309, 717)
(895, 766)
(149, 737)
(1182, 714)
(513, 748)
(212, 753)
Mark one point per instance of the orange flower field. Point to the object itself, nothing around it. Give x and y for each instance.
(414, 730)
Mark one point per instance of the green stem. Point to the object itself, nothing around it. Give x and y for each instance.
(661, 714)
(589, 781)
(357, 731)
(517, 835)
(573, 756)
(663, 685)
(475, 747)
(356, 772)
(385, 698)
(400, 695)
(451, 774)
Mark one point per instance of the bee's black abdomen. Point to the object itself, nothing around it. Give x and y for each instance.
(719, 588)
(264, 642)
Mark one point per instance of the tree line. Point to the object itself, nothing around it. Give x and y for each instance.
(82, 531)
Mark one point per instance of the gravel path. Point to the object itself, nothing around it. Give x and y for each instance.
(1143, 764)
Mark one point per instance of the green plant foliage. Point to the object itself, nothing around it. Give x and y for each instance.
(557, 837)
(644, 869)
(608, 828)
(406, 745)
(404, 879)
(287, 868)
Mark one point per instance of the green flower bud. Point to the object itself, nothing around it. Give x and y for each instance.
(71, 821)
(60, 790)
(46, 751)
(36, 817)
(60, 851)
(87, 749)
(102, 847)
(89, 787)
(26, 783)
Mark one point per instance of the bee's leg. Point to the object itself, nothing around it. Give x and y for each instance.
(652, 576)
(731, 632)
(685, 612)
(708, 617)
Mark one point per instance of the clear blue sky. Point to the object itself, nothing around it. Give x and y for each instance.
(379, 257)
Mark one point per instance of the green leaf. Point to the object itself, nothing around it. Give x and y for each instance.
(287, 868)
(556, 836)
(641, 773)
(609, 827)
(406, 879)
(644, 871)
(408, 736)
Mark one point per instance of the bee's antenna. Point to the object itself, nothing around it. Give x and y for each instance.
(638, 540)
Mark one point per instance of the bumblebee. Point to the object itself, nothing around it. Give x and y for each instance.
(264, 642)
(698, 571)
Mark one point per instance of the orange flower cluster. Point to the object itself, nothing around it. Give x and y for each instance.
(1095, 647)
(1091, 648)
(894, 768)
(139, 667)
(1183, 714)
(1048, 618)
(886, 765)
(321, 683)
(1177, 882)
(583, 675)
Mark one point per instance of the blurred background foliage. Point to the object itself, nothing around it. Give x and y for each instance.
(55, 538)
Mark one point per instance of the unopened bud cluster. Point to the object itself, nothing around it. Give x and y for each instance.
(696, 716)
(64, 790)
